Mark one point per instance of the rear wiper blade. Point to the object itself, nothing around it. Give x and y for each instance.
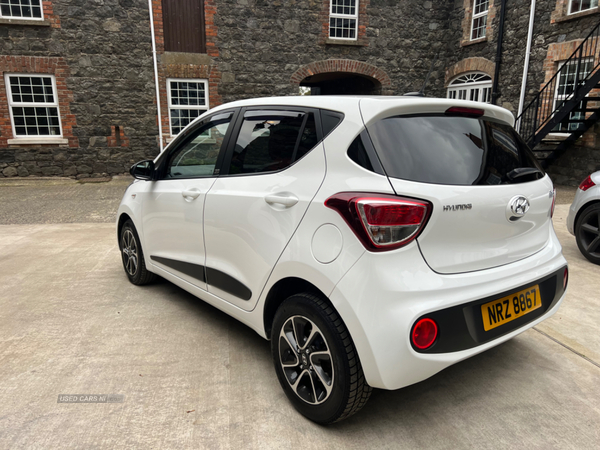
(522, 172)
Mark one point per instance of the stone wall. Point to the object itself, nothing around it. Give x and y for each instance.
(106, 45)
(264, 42)
(551, 26)
(254, 48)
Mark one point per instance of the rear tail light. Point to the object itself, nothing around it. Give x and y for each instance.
(381, 222)
(424, 333)
(586, 184)
(553, 203)
(565, 278)
(466, 112)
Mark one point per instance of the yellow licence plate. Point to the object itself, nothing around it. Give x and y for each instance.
(509, 308)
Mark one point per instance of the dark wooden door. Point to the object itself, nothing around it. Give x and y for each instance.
(183, 22)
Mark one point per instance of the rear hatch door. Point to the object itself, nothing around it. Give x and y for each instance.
(491, 199)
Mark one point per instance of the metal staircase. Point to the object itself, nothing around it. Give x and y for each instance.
(565, 104)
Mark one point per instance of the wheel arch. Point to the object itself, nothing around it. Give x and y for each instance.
(280, 291)
(124, 217)
(582, 209)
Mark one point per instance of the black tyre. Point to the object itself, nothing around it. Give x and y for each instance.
(315, 360)
(587, 233)
(133, 257)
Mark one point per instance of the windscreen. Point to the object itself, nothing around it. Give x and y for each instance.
(453, 150)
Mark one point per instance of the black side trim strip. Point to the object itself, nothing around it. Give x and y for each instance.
(226, 283)
(192, 270)
(213, 277)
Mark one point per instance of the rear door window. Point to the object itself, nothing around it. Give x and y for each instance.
(269, 141)
(452, 150)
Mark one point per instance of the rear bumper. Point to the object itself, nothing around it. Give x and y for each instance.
(383, 295)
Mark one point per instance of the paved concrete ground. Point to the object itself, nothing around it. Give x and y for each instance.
(71, 323)
(60, 200)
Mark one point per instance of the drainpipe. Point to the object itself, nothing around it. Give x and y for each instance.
(160, 134)
(526, 65)
(495, 93)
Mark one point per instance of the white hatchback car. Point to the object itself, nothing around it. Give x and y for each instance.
(583, 220)
(375, 241)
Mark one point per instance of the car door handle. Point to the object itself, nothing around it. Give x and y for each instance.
(191, 195)
(286, 200)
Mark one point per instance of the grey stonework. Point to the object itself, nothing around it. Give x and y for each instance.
(261, 44)
(265, 41)
(108, 48)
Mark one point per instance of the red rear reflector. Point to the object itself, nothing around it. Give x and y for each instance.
(586, 184)
(381, 222)
(424, 333)
(565, 278)
(462, 111)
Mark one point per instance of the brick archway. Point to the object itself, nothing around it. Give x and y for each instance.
(477, 64)
(343, 65)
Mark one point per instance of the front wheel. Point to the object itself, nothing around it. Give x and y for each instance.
(133, 257)
(316, 361)
(587, 233)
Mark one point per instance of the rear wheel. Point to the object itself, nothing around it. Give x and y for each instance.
(315, 360)
(587, 233)
(133, 257)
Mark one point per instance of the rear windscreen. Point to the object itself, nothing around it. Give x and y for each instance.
(452, 150)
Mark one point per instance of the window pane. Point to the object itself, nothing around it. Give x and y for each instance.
(267, 141)
(479, 27)
(39, 121)
(26, 9)
(31, 89)
(198, 155)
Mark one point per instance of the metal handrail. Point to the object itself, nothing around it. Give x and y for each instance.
(543, 108)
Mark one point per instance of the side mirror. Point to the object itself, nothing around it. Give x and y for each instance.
(144, 170)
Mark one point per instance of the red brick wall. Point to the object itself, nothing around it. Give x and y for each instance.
(42, 65)
(49, 14)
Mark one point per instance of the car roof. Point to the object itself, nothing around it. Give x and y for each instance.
(373, 107)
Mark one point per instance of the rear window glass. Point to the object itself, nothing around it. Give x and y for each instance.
(452, 150)
(272, 140)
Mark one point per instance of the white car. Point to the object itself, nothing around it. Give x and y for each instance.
(374, 240)
(583, 220)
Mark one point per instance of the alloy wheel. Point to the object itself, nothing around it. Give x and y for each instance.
(306, 360)
(589, 234)
(130, 252)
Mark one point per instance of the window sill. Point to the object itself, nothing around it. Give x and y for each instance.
(353, 43)
(476, 41)
(25, 22)
(578, 15)
(38, 141)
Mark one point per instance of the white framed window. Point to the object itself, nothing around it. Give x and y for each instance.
(33, 105)
(21, 9)
(343, 19)
(565, 88)
(188, 99)
(576, 6)
(474, 86)
(479, 20)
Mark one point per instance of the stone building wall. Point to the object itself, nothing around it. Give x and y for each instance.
(264, 42)
(103, 51)
(552, 26)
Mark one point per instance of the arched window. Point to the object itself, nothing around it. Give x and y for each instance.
(475, 86)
